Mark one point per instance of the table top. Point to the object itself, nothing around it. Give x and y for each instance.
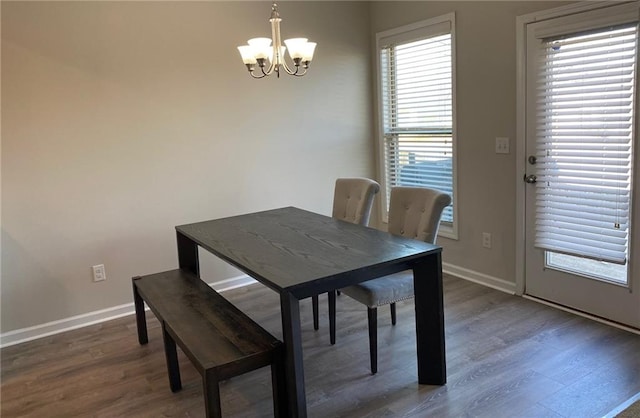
(305, 253)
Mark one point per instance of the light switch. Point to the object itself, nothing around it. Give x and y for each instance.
(502, 145)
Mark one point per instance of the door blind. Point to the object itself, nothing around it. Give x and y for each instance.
(584, 143)
(416, 86)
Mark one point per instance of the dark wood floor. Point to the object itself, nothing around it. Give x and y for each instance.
(506, 357)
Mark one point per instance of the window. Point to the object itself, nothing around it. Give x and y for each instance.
(417, 112)
(585, 137)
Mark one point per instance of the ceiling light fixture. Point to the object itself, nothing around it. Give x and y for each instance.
(270, 58)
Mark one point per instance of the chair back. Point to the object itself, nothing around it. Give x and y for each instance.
(414, 212)
(353, 199)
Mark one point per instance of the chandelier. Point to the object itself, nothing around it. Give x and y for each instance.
(270, 58)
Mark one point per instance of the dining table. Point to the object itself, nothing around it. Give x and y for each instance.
(299, 254)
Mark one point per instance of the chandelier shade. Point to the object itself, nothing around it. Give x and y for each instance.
(268, 54)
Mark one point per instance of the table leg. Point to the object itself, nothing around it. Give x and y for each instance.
(188, 254)
(294, 369)
(429, 306)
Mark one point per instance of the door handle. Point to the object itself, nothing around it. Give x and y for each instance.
(531, 178)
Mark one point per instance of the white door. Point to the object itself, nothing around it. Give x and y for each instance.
(582, 226)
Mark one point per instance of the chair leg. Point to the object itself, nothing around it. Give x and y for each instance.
(393, 313)
(332, 316)
(372, 313)
(314, 302)
(171, 355)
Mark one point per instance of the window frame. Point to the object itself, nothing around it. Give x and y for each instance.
(407, 33)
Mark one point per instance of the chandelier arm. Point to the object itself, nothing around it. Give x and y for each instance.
(269, 70)
(289, 70)
(257, 76)
(304, 66)
(298, 74)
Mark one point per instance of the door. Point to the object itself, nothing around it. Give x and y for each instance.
(582, 228)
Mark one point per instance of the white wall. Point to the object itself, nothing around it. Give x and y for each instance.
(121, 120)
(486, 109)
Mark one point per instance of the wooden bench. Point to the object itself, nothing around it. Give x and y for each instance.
(220, 340)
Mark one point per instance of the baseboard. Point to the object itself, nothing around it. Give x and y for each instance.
(67, 324)
(55, 327)
(635, 398)
(480, 278)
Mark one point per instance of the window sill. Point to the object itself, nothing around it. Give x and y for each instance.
(448, 231)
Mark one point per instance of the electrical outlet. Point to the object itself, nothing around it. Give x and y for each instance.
(502, 145)
(99, 273)
(486, 240)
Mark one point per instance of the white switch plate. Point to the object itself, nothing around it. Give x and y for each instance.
(98, 273)
(502, 145)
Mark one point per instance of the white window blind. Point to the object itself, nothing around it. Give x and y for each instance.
(584, 143)
(417, 116)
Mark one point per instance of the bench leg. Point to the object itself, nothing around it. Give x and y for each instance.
(278, 385)
(141, 320)
(314, 305)
(171, 354)
(211, 389)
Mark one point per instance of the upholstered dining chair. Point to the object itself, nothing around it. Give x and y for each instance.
(352, 202)
(414, 212)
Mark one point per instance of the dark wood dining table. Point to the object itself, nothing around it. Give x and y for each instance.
(299, 254)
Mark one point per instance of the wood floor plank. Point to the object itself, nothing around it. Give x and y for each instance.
(506, 357)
